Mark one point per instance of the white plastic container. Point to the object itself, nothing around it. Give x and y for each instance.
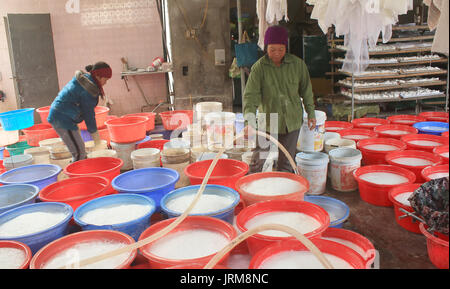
(247, 157)
(102, 153)
(314, 167)
(8, 137)
(312, 140)
(203, 108)
(156, 136)
(59, 152)
(177, 143)
(41, 155)
(177, 159)
(146, 158)
(51, 142)
(343, 161)
(17, 161)
(124, 151)
(338, 143)
(220, 130)
(90, 146)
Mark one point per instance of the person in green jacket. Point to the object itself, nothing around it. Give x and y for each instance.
(277, 84)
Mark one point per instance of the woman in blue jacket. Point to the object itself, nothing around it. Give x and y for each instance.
(76, 102)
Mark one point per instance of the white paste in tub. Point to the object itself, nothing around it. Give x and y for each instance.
(405, 121)
(273, 186)
(11, 258)
(334, 128)
(302, 260)
(403, 198)
(433, 128)
(30, 223)
(206, 204)
(445, 155)
(381, 147)
(438, 175)
(382, 178)
(115, 214)
(370, 124)
(355, 137)
(86, 250)
(298, 221)
(416, 162)
(425, 143)
(188, 244)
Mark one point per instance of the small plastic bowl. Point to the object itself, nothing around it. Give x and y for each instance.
(338, 210)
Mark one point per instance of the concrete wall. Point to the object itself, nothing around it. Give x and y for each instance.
(103, 30)
(204, 80)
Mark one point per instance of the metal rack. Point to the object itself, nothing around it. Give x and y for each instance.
(418, 51)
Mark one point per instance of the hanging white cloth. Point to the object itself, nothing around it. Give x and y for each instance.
(360, 22)
(276, 11)
(261, 6)
(438, 13)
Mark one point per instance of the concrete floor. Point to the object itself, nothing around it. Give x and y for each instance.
(398, 248)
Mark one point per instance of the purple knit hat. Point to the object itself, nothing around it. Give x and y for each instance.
(276, 35)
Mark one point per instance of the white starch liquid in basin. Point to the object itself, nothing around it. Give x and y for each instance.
(302, 260)
(273, 186)
(30, 223)
(206, 204)
(403, 198)
(355, 137)
(383, 178)
(438, 175)
(11, 258)
(414, 162)
(115, 214)
(424, 143)
(298, 221)
(86, 250)
(381, 147)
(188, 244)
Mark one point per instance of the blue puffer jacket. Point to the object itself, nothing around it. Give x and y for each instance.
(75, 102)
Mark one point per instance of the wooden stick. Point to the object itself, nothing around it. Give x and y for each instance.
(305, 241)
(179, 219)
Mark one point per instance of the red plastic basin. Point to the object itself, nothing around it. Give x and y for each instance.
(427, 173)
(39, 132)
(395, 130)
(357, 134)
(127, 129)
(177, 119)
(104, 134)
(441, 150)
(445, 134)
(405, 119)
(437, 247)
(225, 173)
(250, 198)
(440, 140)
(435, 116)
(101, 114)
(335, 126)
(368, 122)
(54, 248)
(378, 194)
(103, 166)
(43, 113)
(417, 170)
(375, 157)
(324, 246)
(157, 144)
(408, 223)
(366, 248)
(190, 223)
(150, 125)
(22, 247)
(259, 241)
(75, 191)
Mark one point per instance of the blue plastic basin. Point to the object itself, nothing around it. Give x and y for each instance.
(423, 127)
(38, 175)
(38, 240)
(13, 196)
(151, 182)
(17, 119)
(226, 214)
(133, 228)
(338, 210)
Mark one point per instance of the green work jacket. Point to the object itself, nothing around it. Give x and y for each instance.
(280, 90)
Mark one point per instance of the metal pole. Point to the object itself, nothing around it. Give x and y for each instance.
(239, 13)
(353, 91)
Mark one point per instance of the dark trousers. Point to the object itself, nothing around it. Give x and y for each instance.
(288, 140)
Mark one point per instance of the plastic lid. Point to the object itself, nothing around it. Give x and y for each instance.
(17, 160)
